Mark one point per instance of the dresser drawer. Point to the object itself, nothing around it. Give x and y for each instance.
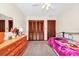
(16, 50)
(6, 50)
(21, 50)
(20, 41)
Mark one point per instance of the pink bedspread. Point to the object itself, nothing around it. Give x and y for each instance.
(61, 48)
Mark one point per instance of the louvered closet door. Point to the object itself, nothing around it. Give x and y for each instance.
(30, 30)
(36, 30)
(40, 30)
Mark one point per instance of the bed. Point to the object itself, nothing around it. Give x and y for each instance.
(64, 46)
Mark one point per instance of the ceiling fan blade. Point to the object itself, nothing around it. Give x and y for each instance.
(38, 4)
(43, 6)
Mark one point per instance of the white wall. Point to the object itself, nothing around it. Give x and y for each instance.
(69, 20)
(12, 11)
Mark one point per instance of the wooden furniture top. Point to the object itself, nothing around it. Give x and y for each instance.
(8, 42)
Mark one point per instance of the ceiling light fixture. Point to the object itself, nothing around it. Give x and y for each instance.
(46, 6)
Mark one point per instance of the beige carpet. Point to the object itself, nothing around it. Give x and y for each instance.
(39, 48)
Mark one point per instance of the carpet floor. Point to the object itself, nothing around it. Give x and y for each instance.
(39, 48)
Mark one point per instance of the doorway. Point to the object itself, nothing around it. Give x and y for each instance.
(2, 25)
(36, 30)
(51, 28)
(10, 24)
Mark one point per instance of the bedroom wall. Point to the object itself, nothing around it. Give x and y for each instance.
(69, 21)
(12, 11)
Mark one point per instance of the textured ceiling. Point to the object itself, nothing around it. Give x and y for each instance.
(35, 9)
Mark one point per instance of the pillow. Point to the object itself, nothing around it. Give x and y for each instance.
(64, 41)
(72, 42)
(60, 38)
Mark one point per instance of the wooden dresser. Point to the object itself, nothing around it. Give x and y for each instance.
(14, 47)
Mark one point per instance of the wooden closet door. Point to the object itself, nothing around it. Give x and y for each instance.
(30, 30)
(36, 29)
(34, 33)
(51, 30)
(41, 30)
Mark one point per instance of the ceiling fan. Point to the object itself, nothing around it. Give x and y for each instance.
(45, 6)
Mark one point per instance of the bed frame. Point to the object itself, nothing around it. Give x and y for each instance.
(62, 34)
